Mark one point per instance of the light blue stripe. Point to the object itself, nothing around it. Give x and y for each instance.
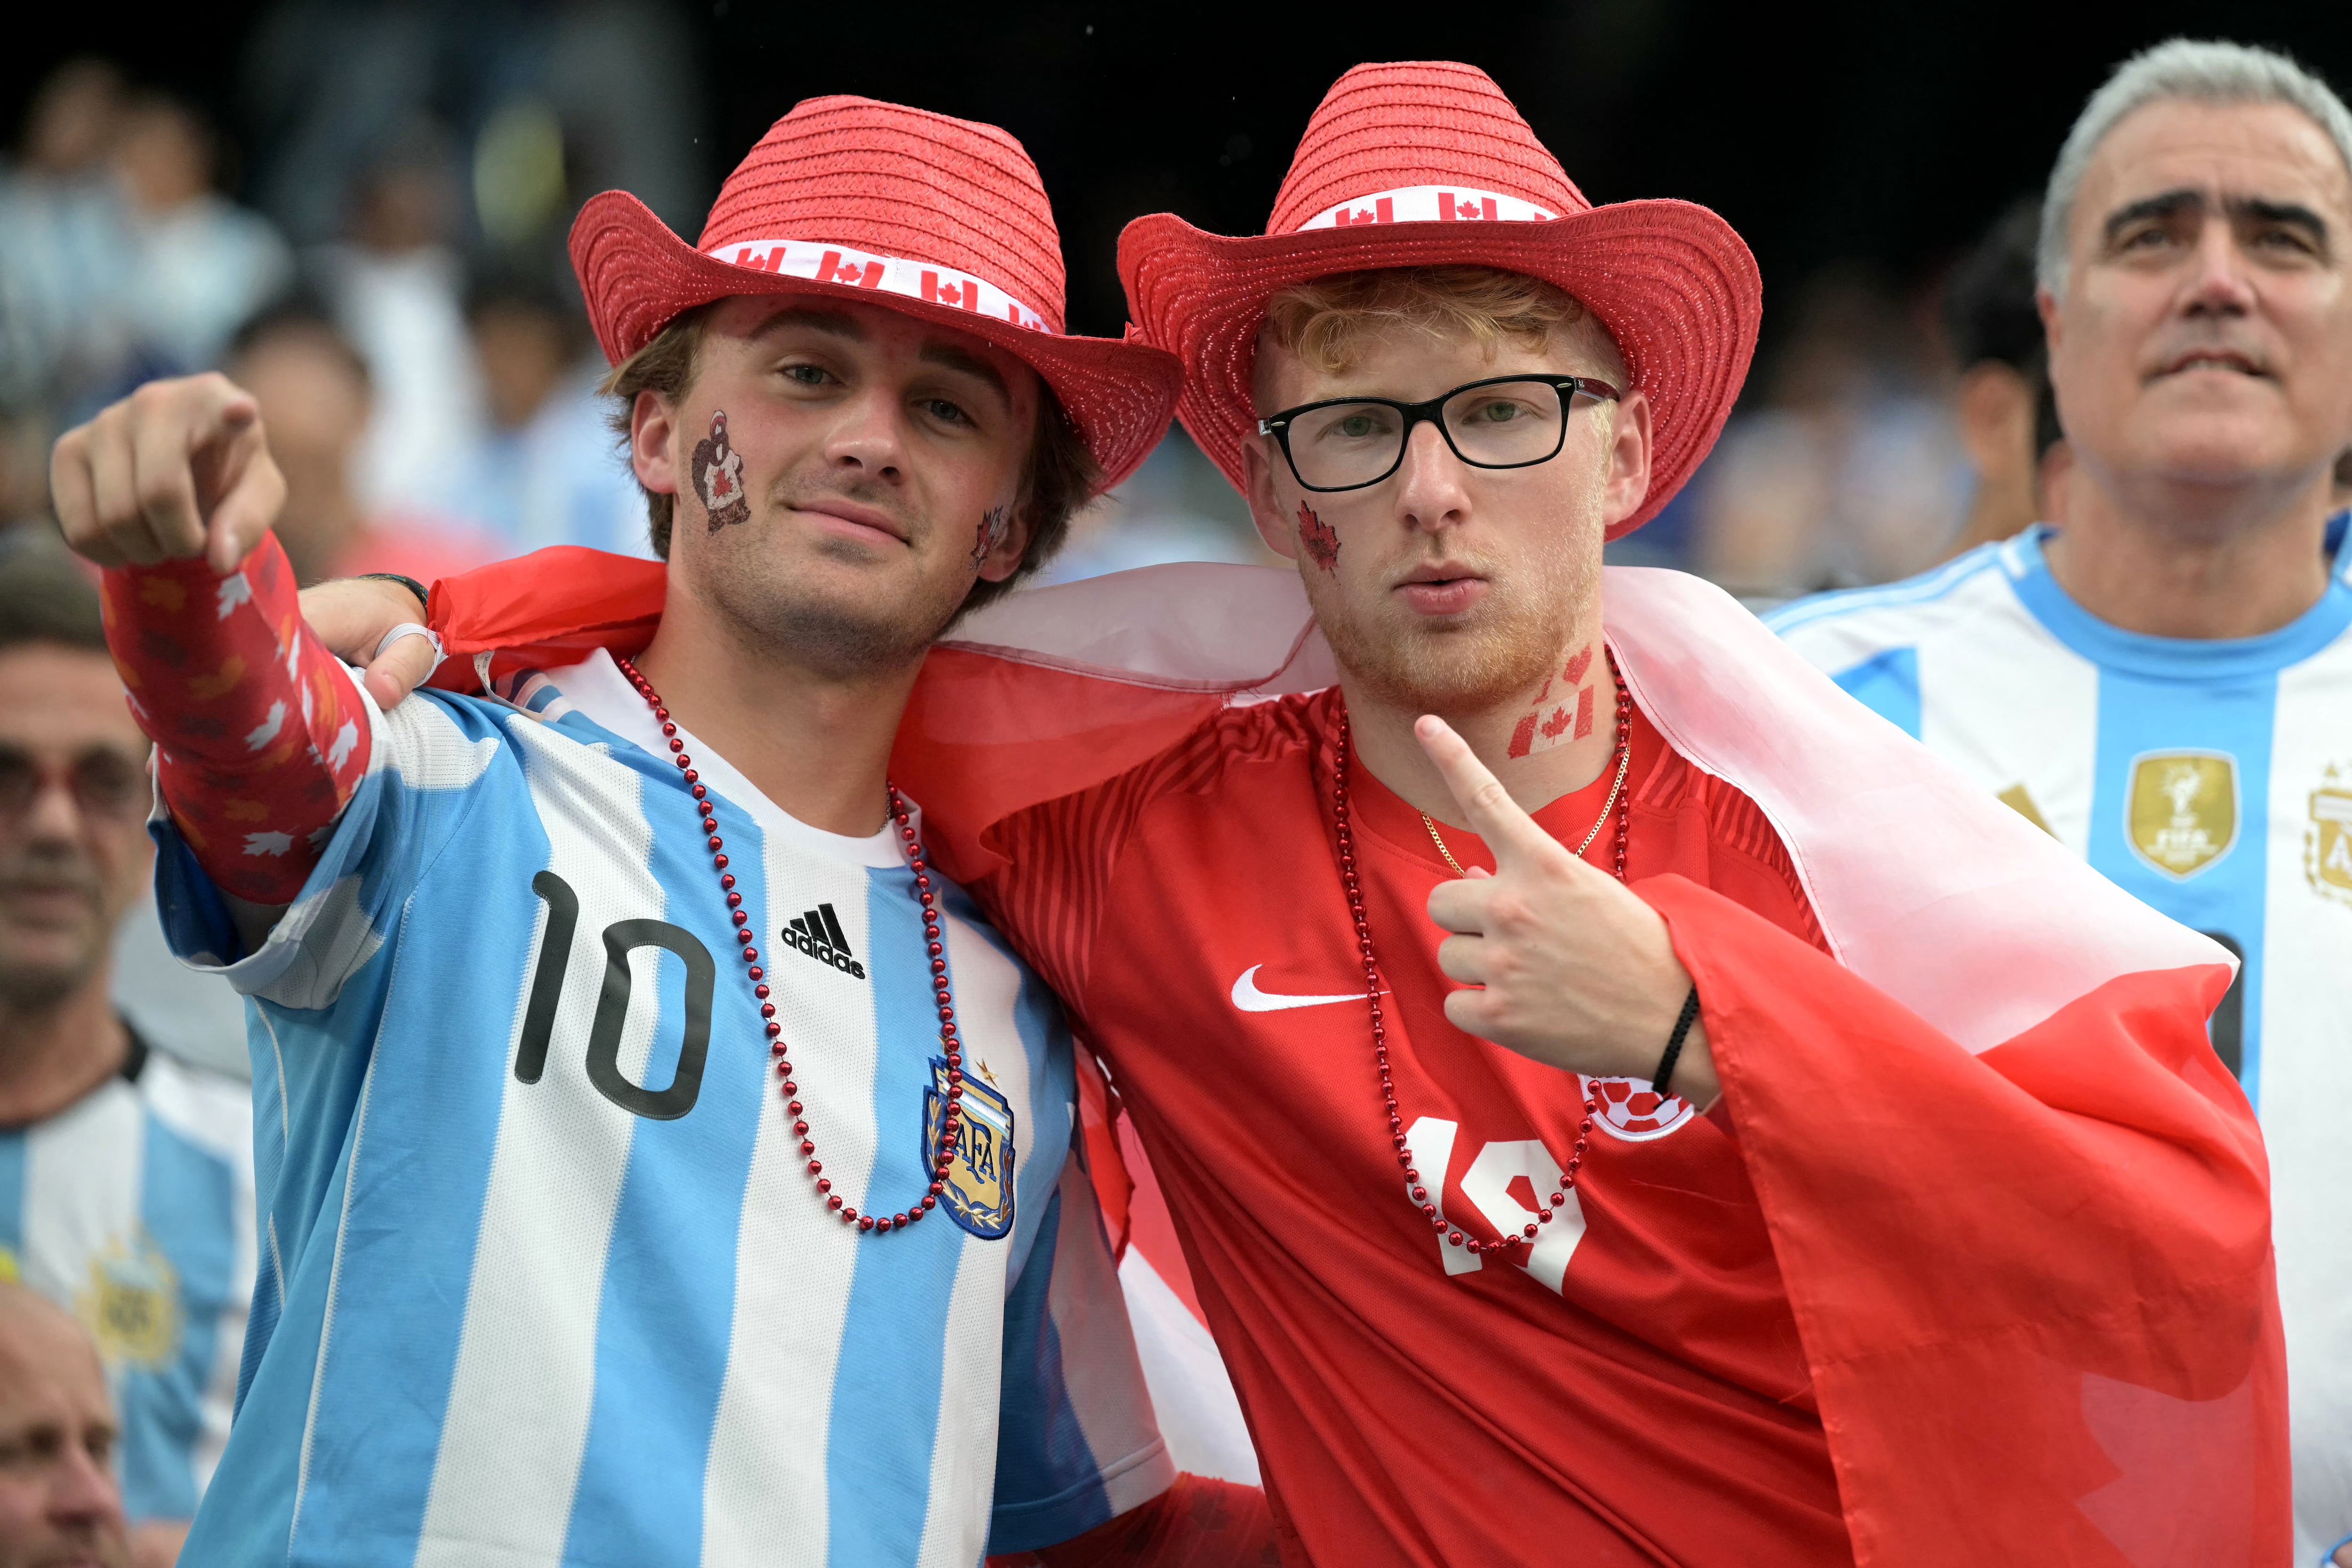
(12, 1196)
(2139, 714)
(1924, 588)
(1888, 685)
(667, 1313)
(1044, 1463)
(886, 1386)
(187, 1210)
(2179, 660)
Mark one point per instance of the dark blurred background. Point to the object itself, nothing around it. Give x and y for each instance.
(360, 209)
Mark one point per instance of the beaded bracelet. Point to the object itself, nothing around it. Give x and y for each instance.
(1674, 1043)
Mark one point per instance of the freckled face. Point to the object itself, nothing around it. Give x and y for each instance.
(872, 446)
(2206, 334)
(1446, 587)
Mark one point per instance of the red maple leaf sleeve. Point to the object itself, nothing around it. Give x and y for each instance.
(260, 736)
(2034, 1284)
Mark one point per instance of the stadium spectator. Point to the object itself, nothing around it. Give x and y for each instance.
(204, 263)
(63, 250)
(543, 468)
(317, 397)
(58, 1500)
(2166, 684)
(125, 1178)
(2008, 415)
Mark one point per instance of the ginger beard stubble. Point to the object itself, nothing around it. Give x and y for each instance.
(1542, 571)
(774, 606)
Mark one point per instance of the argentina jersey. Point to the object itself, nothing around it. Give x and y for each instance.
(2213, 781)
(132, 1208)
(544, 1278)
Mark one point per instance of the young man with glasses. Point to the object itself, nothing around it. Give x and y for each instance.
(126, 1177)
(1857, 1186)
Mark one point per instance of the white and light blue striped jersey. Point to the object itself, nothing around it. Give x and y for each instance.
(132, 1208)
(544, 1279)
(2212, 780)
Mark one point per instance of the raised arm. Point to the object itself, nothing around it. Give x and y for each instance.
(260, 736)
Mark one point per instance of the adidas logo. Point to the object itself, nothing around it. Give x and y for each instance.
(819, 935)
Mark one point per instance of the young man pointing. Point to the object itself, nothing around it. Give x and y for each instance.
(605, 1223)
(1621, 1103)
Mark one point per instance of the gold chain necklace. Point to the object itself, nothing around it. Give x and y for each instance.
(1624, 755)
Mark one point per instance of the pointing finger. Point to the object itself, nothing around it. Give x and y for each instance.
(1491, 812)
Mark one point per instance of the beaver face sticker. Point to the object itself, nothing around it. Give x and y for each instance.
(718, 476)
(1318, 539)
(995, 523)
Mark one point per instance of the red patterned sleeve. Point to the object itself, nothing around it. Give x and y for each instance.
(260, 736)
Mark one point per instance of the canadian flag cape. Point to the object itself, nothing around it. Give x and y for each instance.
(2020, 1209)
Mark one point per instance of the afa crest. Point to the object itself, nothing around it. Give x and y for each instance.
(2327, 839)
(2181, 812)
(979, 1191)
(132, 1305)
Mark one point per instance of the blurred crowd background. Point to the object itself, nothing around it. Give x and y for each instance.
(357, 209)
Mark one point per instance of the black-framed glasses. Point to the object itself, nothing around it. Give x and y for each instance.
(1502, 422)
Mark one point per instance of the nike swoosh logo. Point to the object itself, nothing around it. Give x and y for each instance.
(1250, 999)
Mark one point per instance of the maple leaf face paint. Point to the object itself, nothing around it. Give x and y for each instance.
(994, 524)
(1318, 539)
(718, 470)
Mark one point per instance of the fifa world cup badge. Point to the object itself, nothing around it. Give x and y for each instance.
(2327, 839)
(2182, 813)
(979, 1191)
(132, 1305)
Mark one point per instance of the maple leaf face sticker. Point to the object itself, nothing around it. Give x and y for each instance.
(995, 523)
(1318, 539)
(718, 470)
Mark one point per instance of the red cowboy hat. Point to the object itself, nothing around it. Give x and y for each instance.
(847, 198)
(1425, 165)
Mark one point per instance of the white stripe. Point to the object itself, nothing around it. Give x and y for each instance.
(83, 1169)
(2009, 705)
(215, 1114)
(764, 1491)
(1100, 1371)
(1429, 204)
(1192, 1394)
(927, 281)
(527, 1354)
(963, 1448)
(2306, 1080)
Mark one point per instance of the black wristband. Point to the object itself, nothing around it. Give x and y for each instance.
(424, 599)
(1674, 1043)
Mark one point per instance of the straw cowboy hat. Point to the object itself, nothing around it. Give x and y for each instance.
(847, 198)
(1424, 164)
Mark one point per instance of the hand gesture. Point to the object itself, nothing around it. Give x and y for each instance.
(350, 617)
(1560, 961)
(177, 469)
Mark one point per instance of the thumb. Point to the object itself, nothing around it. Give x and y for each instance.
(400, 669)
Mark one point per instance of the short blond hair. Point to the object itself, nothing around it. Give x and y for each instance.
(1328, 321)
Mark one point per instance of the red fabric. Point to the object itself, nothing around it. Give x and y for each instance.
(2069, 1222)
(1196, 1523)
(1661, 1412)
(1671, 280)
(259, 737)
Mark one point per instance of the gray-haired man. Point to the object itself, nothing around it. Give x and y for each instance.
(2166, 686)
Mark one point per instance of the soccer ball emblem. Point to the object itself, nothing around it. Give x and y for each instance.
(1630, 1110)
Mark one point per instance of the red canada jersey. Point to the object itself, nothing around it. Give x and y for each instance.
(1629, 1390)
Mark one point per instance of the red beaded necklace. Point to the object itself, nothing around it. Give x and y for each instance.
(952, 1118)
(1347, 843)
